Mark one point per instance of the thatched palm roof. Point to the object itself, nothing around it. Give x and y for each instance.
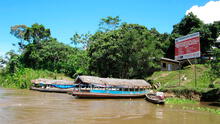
(112, 81)
(50, 81)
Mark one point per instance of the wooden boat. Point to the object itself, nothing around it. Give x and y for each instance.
(50, 85)
(55, 90)
(96, 87)
(151, 97)
(105, 95)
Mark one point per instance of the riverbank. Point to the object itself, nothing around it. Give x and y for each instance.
(194, 105)
(185, 78)
(182, 84)
(22, 78)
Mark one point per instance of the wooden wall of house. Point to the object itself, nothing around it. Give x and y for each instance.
(165, 66)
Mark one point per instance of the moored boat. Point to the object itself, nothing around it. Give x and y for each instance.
(55, 90)
(48, 85)
(154, 98)
(96, 87)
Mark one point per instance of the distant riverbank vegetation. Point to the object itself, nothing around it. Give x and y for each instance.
(180, 101)
(117, 49)
(22, 78)
(186, 102)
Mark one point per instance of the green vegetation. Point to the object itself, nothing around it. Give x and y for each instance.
(206, 109)
(170, 79)
(180, 101)
(122, 51)
(177, 101)
(215, 64)
(40, 51)
(205, 90)
(22, 78)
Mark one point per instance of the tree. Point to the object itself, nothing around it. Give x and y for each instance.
(27, 35)
(19, 31)
(215, 64)
(36, 33)
(13, 62)
(216, 29)
(163, 40)
(50, 55)
(191, 24)
(128, 52)
(2, 62)
(81, 40)
(41, 51)
(109, 23)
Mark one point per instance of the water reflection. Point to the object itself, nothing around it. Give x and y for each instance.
(24, 106)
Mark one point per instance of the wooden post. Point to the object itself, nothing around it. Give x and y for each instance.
(179, 73)
(194, 71)
(195, 75)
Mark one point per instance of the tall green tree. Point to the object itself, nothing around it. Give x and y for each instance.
(109, 23)
(128, 52)
(13, 62)
(36, 34)
(27, 35)
(163, 40)
(2, 62)
(50, 55)
(19, 31)
(191, 24)
(41, 51)
(215, 64)
(81, 40)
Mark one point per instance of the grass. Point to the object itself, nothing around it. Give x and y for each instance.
(22, 78)
(180, 101)
(175, 101)
(206, 109)
(170, 79)
(169, 82)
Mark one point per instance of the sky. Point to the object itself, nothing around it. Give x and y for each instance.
(66, 17)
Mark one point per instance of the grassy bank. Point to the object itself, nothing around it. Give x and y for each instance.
(168, 81)
(206, 109)
(22, 78)
(178, 101)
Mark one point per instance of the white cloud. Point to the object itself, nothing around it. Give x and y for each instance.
(208, 13)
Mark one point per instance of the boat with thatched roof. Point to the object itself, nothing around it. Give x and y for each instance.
(49, 85)
(96, 87)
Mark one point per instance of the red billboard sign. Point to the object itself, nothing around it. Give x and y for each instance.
(187, 46)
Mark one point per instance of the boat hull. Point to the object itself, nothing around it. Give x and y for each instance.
(154, 100)
(106, 95)
(54, 90)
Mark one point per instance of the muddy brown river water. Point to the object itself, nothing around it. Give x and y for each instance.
(31, 107)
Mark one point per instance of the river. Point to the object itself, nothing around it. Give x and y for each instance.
(31, 107)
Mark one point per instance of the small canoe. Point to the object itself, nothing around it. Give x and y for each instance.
(55, 90)
(151, 97)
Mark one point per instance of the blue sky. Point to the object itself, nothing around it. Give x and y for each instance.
(65, 17)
